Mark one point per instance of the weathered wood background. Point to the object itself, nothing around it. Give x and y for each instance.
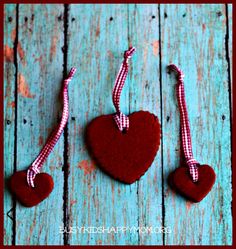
(42, 42)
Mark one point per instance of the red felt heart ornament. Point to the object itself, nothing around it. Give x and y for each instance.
(31, 187)
(194, 181)
(181, 181)
(27, 195)
(124, 156)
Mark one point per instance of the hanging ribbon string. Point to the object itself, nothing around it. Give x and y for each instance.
(185, 127)
(121, 120)
(35, 167)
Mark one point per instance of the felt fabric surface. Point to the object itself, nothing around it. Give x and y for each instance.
(27, 195)
(181, 181)
(124, 156)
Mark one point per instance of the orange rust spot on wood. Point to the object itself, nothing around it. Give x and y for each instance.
(39, 59)
(8, 54)
(145, 52)
(72, 202)
(41, 63)
(11, 104)
(13, 34)
(53, 47)
(21, 53)
(52, 168)
(32, 227)
(23, 87)
(40, 143)
(97, 30)
(87, 166)
(199, 74)
(188, 205)
(211, 48)
(221, 216)
(203, 26)
(99, 242)
(110, 54)
(155, 47)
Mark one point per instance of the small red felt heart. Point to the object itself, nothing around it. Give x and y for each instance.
(181, 181)
(124, 156)
(27, 195)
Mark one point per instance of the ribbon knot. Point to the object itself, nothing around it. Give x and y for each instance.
(179, 72)
(193, 168)
(122, 121)
(35, 169)
(128, 53)
(31, 173)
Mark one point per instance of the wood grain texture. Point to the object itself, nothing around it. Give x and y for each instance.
(39, 78)
(196, 44)
(93, 38)
(9, 115)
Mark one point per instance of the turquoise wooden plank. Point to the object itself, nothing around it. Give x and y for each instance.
(230, 46)
(144, 91)
(40, 72)
(9, 115)
(98, 35)
(193, 37)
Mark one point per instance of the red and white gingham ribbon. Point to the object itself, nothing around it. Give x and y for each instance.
(35, 167)
(185, 127)
(121, 120)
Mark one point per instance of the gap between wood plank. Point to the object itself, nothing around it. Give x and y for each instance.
(227, 57)
(15, 128)
(65, 154)
(161, 99)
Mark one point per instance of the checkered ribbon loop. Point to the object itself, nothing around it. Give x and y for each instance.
(121, 119)
(185, 126)
(35, 167)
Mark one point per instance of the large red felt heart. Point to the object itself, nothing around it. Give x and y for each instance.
(124, 156)
(181, 181)
(27, 195)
